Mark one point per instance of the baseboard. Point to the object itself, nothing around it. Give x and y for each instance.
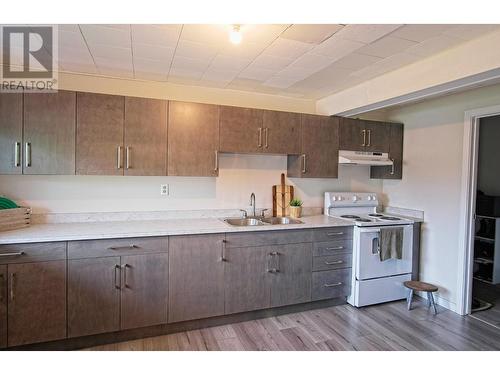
(441, 301)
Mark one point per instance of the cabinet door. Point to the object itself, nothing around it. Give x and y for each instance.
(377, 136)
(353, 136)
(145, 137)
(11, 133)
(37, 302)
(3, 306)
(320, 148)
(395, 153)
(196, 276)
(49, 133)
(241, 130)
(193, 139)
(144, 290)
(281, 132)
(246, 279)
(292, 283)
(93, 296)
(99, 134)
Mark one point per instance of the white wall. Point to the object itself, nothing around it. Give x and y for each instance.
(488, 176)
(432, 176)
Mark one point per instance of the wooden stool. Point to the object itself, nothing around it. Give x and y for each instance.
(420, 286)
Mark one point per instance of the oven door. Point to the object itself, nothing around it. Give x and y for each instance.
(367, 262)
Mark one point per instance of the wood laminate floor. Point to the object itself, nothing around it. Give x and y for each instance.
(382, 327)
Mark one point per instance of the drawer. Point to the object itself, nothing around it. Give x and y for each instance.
(331, 284)
(282, 237)
(332, 262)
(332, 234)
(32, 252)
(116, 247)
(332, 247)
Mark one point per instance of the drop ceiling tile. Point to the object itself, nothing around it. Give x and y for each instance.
(110, 53)
(244, 84)
(71, 28)
(229, 62)
(261, 33)
(76, 67)
(114, 72)
(468, 32)
(270, 62)
(71, 39)
(75, 55)
(184, 80)
(336, 47)
(312, 61)
(295, 72)
(179, 72)
(434, 45)
(151, 66)
(215, 35)
(113, 64)
(329, 76)
(280, 82)
(386, 47)
(190, 64)
(194, 50)
(420, 32)
(158, 35)
(365, 33)
(106, 36)
(222, 75)
(150, 52)
(355, 61)
(314, 34)
(386, 65)
(148, 76)
(247, 50)
(257, 74)
(287, 48)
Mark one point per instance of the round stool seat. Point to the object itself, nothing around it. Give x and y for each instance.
(420, 286)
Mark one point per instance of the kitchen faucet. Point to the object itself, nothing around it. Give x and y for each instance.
(252, 203)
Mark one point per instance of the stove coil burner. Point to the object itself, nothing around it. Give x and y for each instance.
(361, 220)
(350, 217)
(390, 218)
(375, 215)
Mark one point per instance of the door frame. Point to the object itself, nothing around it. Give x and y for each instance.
(468, 204)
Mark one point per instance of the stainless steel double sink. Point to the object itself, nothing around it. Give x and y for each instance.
(254, 221)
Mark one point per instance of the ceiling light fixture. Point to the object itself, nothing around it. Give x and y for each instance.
(235, 34)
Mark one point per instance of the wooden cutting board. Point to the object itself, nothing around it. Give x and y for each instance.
(282, 195)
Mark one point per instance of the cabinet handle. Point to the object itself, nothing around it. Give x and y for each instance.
(2, 280)
(335, 234)
(127, 157)
(216, 168)
(17, 154)
(332, 285)
(364, 138)
(334, 248)
(27, 151)
(303, 163)
(266, 135)
(12, 285)
(260, 138)
(336, 262)
(223, 251)
(125, 266)
(131, 246)
(369, 138)
(118, 284)
(119, 157)
(12, 254)
(392, 167)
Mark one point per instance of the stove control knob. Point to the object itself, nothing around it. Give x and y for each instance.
(355, 198)
(374, 197)
(334, 199)
(339, 198)
(369, 197)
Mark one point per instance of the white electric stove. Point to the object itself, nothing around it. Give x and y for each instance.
(373, 281)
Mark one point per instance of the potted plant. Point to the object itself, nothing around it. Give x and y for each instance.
(295, 208)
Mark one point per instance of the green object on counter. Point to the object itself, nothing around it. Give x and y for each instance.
(6, 203)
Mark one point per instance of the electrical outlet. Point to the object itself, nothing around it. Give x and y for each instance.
(164, 189)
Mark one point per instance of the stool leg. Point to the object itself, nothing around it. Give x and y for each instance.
(410, 298)
(433, 304)
(429, 299)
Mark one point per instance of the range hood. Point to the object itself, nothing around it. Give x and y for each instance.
(364, 158)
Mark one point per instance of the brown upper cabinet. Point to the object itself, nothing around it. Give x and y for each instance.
(145, 138)
(193, 139)
(319, 148)
(363, 135)
(11, 133)
(49, 133)
(281, 132)
(99, 134)
(395, 143)
(241, 130)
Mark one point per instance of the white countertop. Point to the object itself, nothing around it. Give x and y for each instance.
(150, 228)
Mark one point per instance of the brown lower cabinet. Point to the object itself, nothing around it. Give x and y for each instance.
(36, 302)
(3, 306)
(113, 293)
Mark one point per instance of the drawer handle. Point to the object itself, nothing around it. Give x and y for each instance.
(17, 254)
(335, 234)
(332, 285)
(132, 246)
(336, 262)
(335, 248)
